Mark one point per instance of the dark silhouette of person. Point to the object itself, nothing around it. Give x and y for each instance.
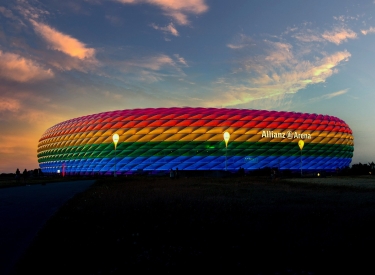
(18, 174)
(25, 174)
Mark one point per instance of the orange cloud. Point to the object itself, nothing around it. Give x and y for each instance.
(281, 54)
(177, 9)
(9, 104)
(339, 35)
(62, 42)
(17, 68)
(370, 30)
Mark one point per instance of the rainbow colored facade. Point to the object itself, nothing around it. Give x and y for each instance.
(158, 139)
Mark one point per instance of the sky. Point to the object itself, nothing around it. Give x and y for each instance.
(64, 59)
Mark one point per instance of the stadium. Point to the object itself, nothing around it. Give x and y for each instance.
(160, 139)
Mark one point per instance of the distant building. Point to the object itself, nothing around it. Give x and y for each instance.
(158, 139)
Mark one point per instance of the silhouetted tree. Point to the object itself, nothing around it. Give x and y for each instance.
(360, 169)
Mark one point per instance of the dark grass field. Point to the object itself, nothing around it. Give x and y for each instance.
(232, 225)
(11, 181)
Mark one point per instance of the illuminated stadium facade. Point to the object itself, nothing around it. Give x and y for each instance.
(158, 139)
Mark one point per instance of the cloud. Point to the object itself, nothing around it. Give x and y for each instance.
(17, 68)
(9, 104)
(236, 47)
(241, 41)
(278, 69)
(281, 55)
(7, 13)
(30, 10)
(13, 21)
(288, 74)
(370, 30)
(308, 36)
(64, 62)
(343, 18)
(331, 95)
(181, 60)
(167, 29)
(155, 63)
(177, 9)
(281, 70)
(63, 43)
(149, 68)
(328, 96)
(115, 20)
(339, 35)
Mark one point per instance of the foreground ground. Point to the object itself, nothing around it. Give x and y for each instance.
(10, 180)
(238, 225)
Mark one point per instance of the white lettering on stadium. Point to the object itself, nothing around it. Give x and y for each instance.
(288, 135)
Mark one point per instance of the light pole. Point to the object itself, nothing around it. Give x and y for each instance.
(301, 144)
(226, 139)
(115, 138)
